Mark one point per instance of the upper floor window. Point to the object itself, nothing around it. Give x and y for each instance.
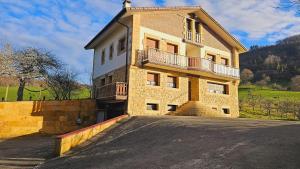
(172, 82)
(111, 52)
(103, 57)
(211, 57)
(153, 79)
(152, 43)
(224, 61)
(172, 48)
(122, 45)
(217, 88)
(197, 27)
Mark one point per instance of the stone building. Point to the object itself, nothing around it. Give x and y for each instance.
(166, 60)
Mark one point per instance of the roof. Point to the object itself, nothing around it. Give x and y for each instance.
(144, 9)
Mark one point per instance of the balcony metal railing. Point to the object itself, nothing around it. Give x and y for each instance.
(113, 91)
(192, 63)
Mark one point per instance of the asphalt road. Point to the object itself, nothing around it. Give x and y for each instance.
(189, 142)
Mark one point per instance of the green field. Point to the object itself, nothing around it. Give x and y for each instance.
(268, 93)
(12, 94)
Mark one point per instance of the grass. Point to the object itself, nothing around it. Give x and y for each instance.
(268, 93)
(12, 94)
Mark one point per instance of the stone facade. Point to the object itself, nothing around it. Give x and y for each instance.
(171, 27)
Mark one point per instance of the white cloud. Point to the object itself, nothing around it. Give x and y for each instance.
(259, 19)
(144, 3)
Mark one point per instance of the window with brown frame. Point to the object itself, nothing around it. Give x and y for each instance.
(122, 45)
(103, 57)
(172, 82)
(211, 57)
(152, 43)
(153, 79)
(172, 48)
(217, 88)
(224, 61)
(111, 52)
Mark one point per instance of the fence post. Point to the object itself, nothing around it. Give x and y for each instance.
(6, 93)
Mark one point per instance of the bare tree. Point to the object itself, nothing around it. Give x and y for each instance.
(295, 83)
(268, 106)
(33, 63)
(252, 100)
(246, 75)
(7, 58)
(62, 83)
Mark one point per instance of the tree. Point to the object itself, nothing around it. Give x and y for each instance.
(272, 60)
(31, 63)
(62, 83)
(247, 75)
(295, 83)
(268, 106)
(7, 58)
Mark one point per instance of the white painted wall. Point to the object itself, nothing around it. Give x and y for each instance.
(117, 61)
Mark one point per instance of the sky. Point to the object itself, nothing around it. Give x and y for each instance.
(64, 27)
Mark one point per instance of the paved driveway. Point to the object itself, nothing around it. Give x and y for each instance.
(25, 152)
(190, 142)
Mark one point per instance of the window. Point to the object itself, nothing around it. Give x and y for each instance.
(197, 27)
(152, 43)
(111, 52)
(226, 111)
(122, 45)
(172, 82)
(172, 107)
(103, 57)
(152, 79)
(152, 106)
(110, 79)
(211, 57)
(224, 61)
(217, 88)
(103, 82)
(172, 48)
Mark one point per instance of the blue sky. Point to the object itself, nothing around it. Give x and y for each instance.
(65, 26)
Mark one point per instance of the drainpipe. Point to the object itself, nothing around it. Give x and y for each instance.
(127, 56)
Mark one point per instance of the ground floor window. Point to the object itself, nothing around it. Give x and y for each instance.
(172, 107)
(152, 106)
(172, 82)
(226, 111)
(217, 88)
(153, 79)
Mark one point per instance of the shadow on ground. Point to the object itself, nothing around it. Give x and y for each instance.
(25, 151)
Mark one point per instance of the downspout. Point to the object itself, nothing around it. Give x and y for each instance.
(126, 62)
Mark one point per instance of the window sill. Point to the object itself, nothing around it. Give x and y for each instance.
(216, 94)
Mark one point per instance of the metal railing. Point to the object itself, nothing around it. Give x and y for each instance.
(192, 63)
(112, 90)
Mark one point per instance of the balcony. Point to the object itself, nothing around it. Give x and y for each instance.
(112, 92)
(193, 65)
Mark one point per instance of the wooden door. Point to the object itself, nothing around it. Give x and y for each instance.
(172, 48)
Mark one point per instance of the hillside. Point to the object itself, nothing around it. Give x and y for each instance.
(280, 62)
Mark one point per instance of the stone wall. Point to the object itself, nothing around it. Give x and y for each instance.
(140, 93)
(49, 117)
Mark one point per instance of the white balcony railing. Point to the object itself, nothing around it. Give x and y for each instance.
(189, 35)
(198, 40)
(192, 63)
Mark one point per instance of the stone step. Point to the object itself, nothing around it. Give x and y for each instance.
(20, 163)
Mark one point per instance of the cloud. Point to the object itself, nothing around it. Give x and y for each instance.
(144, 3)
(258, 19)
(175, 3)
